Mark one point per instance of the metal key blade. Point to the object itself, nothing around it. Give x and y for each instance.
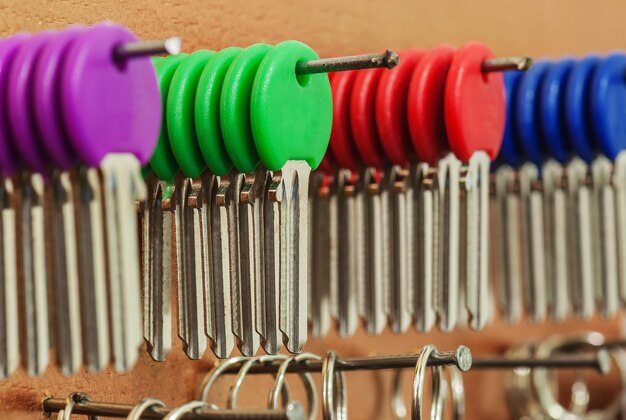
(506, 249)
(399, 312)
(122, 187)
(581, 254)
(533, 243)
(447, 280)
(475, 180)
(92, 268)
(9, 325)
(605, 239)
(294, 269)
(32, 274)
(222, 312)
(63, 249)
(423, 205)
(157, 270)
(373, 290)
(619, 188)
(343, 280)
(555, 225)
(322, 246)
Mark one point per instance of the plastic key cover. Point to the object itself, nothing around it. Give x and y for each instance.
(9, 159)
(181, 100)
(577, 109)
(328, 163)
(552, 110)
(235, 107)
(527, 114)
(109, 107)
(291, 115)
(342, 142)
(474, 104)
(511, 152)
(163, 162)
(20, 97)
(363, 117)
(608, 104)
(426, 112)
(47, 99)
(391, 108)
(207, 111)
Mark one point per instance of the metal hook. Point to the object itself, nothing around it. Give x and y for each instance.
(169, 46)
(74, 399)
(388, 59)
(307, 380)
(178, 412)
(233, 393)
(142, 406)
(334, 400)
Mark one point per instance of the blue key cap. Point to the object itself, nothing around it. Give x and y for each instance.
(577, 109)
(511, 152)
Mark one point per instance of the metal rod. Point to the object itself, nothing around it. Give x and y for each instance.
(388, 59)
(95, 408)
(461, 358)
(507, 64)
(169, 46)
(598, 361)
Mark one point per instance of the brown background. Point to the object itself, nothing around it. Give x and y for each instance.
(533, 27)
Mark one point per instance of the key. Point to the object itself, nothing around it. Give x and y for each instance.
(9, 326)
(122, 187)
(555, 217)
(581, 252)
(604, 238)
(374, 289)
(399, 310)
(619, 186)
(423, 208)
(64, 274)
(190, 271)
(250, 254)
(506, 249)
(157, 269)
(323, 249)
(32, 278)
(344, 274)
(90, 232)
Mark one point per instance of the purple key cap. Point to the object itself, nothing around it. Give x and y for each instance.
(109, 107)
(20, 95)
(47, 99)
(9, 159)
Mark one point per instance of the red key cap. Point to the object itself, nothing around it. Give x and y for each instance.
(342, 143)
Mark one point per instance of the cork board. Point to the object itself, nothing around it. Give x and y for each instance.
(533, 27)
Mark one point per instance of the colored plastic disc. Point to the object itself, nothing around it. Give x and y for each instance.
(577, 96)
(163, 162)
(207, 111)
(608, 104)
(527, 112)
(391, 108)
(20, 94)
(9, 158)
(474, 104)
(109, 107)
(342, 141)
(328, 163)
(235, 107)
(181, 100)
(47, 98)
(426, 114)
(511, 152)
(363, 117)
(291, 115)
(552, 110)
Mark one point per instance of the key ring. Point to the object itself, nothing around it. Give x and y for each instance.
(233, 392)
(74, 399)
(178, 412)
(335, 403)
(438, 393)
(307, 380)
(212, 376)
(142, 406)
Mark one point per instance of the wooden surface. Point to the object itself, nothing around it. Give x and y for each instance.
(332, 27)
